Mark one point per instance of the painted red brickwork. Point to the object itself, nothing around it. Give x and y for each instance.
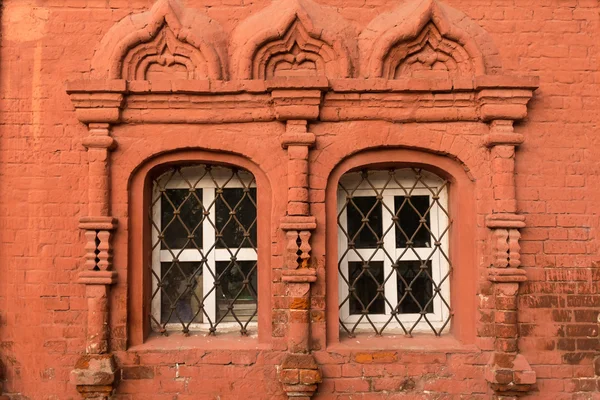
(499, 97)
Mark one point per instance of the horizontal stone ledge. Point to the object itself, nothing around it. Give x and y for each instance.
(403, 100)
(298, 223)
(507, 82)
(319, 83)
(505, 221)
(314, 83)
(91, 85)
(327, 113)
(300, 275)
(511, 139)
(97, 277)
(506, 275)
(100, 223)
(99, 142)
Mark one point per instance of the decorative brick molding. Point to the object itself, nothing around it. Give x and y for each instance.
(431, 40)
(293, 37)
(437, 66)
(95, 371)
(509, 373)
(299, 372)
(164, 41)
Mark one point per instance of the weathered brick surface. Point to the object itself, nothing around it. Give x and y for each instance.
(43, 192)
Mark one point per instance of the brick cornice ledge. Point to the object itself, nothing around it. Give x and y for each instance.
(482, 98)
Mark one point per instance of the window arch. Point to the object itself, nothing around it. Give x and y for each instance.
(204, 249)
(393, 264)
(229, 171)
(457, 196)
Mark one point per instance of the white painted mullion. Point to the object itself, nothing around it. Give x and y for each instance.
(208, 241)
(343, 264)
(156, 306)
(389, 244)
(443, 221)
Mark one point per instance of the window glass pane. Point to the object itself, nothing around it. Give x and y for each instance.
(181, 215)
(409, 221)
(364, 281)
(236, 218)
(419, 285)
(370, 230)
(237, 282)
(181, 293)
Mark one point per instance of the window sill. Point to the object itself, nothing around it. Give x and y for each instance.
(178, 341)
(419, 342)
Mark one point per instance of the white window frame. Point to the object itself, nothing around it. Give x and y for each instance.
(439, 265)
(222, 177)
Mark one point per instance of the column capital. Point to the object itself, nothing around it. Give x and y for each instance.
(97, 101)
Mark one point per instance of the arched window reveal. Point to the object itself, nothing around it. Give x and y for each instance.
(394, 269)
(204, 252)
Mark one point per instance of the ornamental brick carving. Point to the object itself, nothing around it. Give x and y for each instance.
(298, 62)
(508, 373)
(426, 38)
(293, 38)
(163, 43)
(429, 55)
(165, 57)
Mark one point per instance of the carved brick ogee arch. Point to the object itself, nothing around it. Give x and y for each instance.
(191, 35)
(164, 54)
(289, 34)
(428, 55)
(393, 36)
(292, 31)
(295, 54)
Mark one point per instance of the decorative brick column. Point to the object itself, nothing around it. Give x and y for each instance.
(299, 372)
(509, 373)
(95, 372)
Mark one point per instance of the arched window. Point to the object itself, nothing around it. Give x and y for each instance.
(393, 264)
(204, 250)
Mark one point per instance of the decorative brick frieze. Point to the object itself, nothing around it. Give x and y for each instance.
(300, 98)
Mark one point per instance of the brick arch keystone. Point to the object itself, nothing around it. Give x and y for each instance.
(429, 33)
(164, 36)
(293, 32)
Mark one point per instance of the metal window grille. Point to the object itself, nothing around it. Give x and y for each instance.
(204, 255)
(394, 270)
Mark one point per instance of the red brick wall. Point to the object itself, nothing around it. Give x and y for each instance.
(43, 184)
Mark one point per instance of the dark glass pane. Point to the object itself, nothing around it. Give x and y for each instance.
(239, 229)
(365, 287)
(367, 238)
(181, 293)
(237, 287)
(409, 221)
(190, 213)
(421, 287)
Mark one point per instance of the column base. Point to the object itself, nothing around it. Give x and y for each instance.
(300, 375)
(510, 376)
(95, 376)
